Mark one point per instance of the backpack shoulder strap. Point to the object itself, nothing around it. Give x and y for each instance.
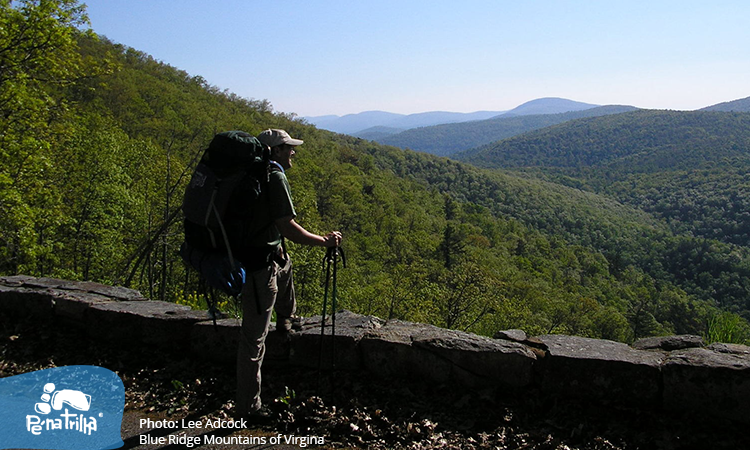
(275, 165)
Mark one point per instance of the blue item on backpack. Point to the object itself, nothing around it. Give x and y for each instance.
(217, 268)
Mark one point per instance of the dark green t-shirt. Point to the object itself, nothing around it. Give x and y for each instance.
(257, 218)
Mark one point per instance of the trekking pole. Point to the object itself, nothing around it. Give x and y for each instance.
(337, 251)
(331, 259)
(327, 262)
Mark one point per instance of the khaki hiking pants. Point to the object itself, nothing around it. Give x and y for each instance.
(265, 290)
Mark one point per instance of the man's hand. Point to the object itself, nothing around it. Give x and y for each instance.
(333, 239)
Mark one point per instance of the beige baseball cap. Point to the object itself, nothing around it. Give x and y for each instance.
(275, 137)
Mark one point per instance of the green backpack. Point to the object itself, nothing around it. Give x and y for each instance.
(232, 158)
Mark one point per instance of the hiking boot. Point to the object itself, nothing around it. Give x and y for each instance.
(259, 417)
(288, 324)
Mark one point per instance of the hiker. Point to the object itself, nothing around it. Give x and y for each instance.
(269, 284)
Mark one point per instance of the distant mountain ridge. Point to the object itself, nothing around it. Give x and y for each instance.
(548, 105)
(741, 105)
(650, 140)
(447, 139)
(354, 123)
(451, 139)
(361, 124)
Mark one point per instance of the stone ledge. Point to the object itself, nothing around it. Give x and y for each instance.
(708, 383)
(604, 371)
(427, 352)
(166, 325)
(675, 373)
(26, 301)
(54, 284)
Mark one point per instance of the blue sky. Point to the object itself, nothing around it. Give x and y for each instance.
(407, 56)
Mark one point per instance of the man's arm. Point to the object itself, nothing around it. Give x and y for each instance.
(296, 233)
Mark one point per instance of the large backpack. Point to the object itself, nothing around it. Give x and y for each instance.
(232, 158)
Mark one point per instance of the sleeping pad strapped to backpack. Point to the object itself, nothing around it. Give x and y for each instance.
(232, 158)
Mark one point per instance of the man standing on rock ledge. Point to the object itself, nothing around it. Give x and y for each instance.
(269, 284)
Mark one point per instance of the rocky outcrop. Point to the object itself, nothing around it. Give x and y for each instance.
(707, 381)
(399, 348)
(673, 373)
(604, 371)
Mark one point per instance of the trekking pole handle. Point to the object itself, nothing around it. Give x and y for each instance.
(334, 252)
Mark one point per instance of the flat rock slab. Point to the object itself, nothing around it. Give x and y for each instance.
(73, 305)
(669, 343)
(708, 382)
(732, 349)
(605, 371)
(25, 302)
(15, 280)
(117, 293)
(446, 356)
(164, 324)
(512, 335)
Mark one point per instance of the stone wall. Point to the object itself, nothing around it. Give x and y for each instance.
(675, 373)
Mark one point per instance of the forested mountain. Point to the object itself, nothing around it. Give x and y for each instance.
(97, 141)
(640, 141)
(548, 105)
(375, 133)
(445, 140)
(690, 169)
(741, 105)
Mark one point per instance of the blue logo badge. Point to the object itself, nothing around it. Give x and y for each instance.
(68, 407)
